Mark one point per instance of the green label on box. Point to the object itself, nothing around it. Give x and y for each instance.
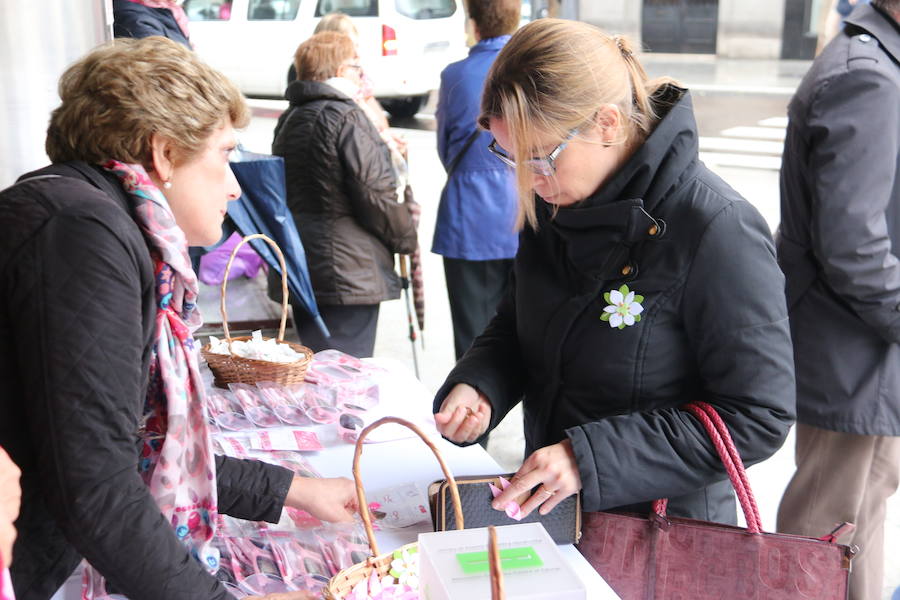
(510, 559)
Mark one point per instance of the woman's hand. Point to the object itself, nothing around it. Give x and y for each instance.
(330, 499)
(10, 497)
(554, 469)
(465, 414)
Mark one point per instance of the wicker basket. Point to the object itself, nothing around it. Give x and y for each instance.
(229, 368)
(343, 583)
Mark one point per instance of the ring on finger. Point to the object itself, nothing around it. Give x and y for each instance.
(469, 412)
(549, 492)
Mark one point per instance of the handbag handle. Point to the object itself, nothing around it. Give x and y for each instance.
(361, 493)
(284, 287)
(734, 466)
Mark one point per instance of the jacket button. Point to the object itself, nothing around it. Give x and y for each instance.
(627, 269)
(654, 229)
(865, 38)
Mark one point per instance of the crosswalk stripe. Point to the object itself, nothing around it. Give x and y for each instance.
(740, 145)
(745, 161)
(774, 122)
(764, 133)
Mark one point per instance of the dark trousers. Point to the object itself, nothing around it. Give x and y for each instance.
(475, 288)
(352, 328)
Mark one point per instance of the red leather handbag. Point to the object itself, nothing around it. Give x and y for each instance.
(660, 557)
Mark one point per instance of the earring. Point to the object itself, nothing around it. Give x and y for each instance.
(167, 184)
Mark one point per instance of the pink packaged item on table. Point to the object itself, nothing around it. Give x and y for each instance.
(318, 402)
(249, 566)
(333, 366)
(254, 408)
(281, 402)
(293, 439)
(222, 410)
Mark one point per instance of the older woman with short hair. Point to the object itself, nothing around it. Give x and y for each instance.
(342, 191)
(101, 400)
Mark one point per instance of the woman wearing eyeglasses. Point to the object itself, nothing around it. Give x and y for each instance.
(342, 191)
(642, 282)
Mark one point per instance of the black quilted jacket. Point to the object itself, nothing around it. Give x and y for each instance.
(342, 192)
(76, 323)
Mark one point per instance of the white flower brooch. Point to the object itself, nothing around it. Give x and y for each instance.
(624, 308)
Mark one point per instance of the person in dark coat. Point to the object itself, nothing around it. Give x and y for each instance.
(145, 18)
(101, 400)
(342, 192)
(642, 282)
(475, 229)
(840, 221)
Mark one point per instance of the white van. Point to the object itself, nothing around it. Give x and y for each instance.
(404, 44)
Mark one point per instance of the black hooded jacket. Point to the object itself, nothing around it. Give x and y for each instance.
(342, 192)
(77, 321)
(713, 328)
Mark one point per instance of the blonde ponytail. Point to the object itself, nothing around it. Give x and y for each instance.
(552, 77)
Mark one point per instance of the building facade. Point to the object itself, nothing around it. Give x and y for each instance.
(763, 29)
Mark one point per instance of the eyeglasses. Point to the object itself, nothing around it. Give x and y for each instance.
(545, 166)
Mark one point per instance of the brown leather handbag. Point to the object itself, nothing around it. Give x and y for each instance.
(660, 557)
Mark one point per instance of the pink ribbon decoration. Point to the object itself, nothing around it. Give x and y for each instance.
(513, 510)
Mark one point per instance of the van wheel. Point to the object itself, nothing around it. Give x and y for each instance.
(403, 108)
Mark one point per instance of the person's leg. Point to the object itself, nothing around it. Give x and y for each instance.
(843, 477)
(867, 575)
(474, 288)
(352, 329)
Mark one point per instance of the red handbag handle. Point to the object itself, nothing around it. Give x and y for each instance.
(734, 466)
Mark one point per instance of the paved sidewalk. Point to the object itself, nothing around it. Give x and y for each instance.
(707, 73)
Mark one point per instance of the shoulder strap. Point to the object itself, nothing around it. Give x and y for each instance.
(462, 152)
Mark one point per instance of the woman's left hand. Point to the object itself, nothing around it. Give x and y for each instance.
(554, 469)
(330, 499)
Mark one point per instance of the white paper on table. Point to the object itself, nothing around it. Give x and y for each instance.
(402, 505)
(400, 396)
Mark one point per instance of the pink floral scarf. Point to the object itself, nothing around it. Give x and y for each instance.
(177, 461)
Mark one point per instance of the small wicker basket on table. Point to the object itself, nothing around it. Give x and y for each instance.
(229, 368)
(342, 584)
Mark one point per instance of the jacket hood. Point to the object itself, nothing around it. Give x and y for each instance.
(301, 92)
(600, 230)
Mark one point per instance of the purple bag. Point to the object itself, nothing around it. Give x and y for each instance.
(212, 264)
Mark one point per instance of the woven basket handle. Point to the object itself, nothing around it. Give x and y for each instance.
(361, 494)
(284, 288)
(496, 566)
